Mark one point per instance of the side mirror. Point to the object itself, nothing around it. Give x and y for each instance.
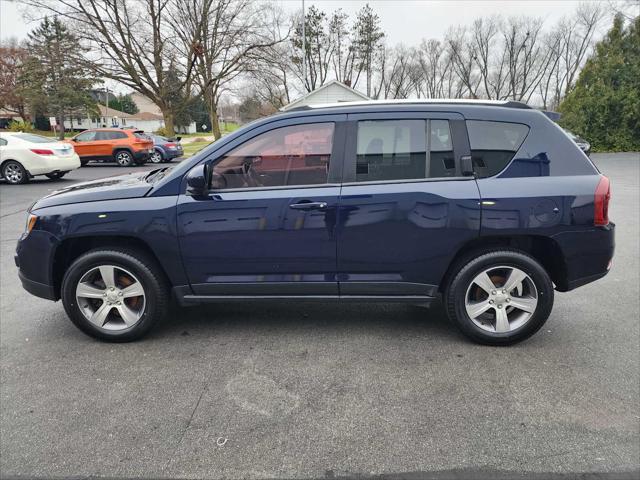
(178, 139)
(198, 181)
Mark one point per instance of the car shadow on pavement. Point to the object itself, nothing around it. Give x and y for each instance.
(335, 318)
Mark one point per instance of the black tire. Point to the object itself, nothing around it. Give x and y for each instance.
(461, 283)
(14, 173)
(146, 271)
(124, 158)
(83, 163)
(156, 157)
(55, 175)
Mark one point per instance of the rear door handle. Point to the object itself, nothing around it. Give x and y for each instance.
(309, 206)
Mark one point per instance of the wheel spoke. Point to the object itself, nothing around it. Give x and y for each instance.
(502, 321)
(133, 290)
(108, 274)
(85, 290)
(484, 282)
(129, 316)
(525, 304)
(100, 315)
(474, 310)
(515, 278)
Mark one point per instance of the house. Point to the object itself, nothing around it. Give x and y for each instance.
(331, 92)
(146, 106)
(110, 117)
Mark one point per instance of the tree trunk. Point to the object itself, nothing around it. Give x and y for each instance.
(60, 126)
(169, 127)
(215, 126)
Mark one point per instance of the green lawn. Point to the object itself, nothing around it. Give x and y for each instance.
(193, 147)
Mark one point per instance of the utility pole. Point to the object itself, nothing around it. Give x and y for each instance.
(304, 50)
(106, 103)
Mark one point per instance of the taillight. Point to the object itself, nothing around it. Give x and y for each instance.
(601, 202)
(170, 145)
(42, 151)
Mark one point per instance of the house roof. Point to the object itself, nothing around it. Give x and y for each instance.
(301, 100)
(146, 116)
(112, 112)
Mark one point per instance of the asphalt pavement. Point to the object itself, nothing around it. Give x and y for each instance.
(300, 390)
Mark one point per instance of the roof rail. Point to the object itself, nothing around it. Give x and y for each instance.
(430, 101)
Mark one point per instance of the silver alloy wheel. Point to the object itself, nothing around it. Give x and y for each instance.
(156, 157)
(12, 173)
(501, 299)
(124, 159)
(111, 297)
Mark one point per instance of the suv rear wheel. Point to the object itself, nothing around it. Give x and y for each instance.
(113, 295)
(499, 297)
(123, 158)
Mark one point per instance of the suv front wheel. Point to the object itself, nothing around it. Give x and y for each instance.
(114, 296)
(499, 297)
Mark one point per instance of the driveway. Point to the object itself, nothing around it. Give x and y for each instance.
(299, 390)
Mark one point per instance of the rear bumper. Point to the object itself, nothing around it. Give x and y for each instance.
(591, 257)
(141, 155)
(55, 164)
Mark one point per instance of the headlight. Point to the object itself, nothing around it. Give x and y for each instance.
(31, 221)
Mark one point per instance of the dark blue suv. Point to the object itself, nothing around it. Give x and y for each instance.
(490, 206)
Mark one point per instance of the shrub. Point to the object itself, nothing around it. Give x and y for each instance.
(162, 131)
(18, 126)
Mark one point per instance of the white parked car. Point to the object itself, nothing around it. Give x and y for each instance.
(25, 155)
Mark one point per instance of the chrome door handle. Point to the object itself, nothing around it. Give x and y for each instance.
(309, 206)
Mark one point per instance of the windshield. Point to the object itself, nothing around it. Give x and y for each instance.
(32, 138)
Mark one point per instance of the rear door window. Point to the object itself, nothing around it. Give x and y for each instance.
(404, 150)
(494, 144)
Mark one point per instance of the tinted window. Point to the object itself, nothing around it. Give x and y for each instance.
(494, 144)
(441, 160)
(3, 141)
(397, 150)
(391, 150)
(86, 136)
(296, 155)
(31, 138)
(142, 135)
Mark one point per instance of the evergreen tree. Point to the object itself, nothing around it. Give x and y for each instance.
(124, 103)
(604, 105)
(55, 77)
(368, 41)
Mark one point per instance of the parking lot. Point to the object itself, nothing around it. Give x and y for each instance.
(297, 390)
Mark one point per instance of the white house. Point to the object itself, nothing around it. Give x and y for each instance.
(110, 117)
(331, 92)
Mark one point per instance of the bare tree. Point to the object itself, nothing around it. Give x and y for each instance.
(12, 58)
(318, 52)
(133, 42)
(460, 49)
(346, 67)
(231, 35)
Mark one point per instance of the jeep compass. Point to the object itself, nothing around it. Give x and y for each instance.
(489, 206)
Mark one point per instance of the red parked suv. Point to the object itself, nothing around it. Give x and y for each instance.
(125, 147)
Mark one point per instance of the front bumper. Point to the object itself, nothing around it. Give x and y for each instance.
(38, 289)
(34, 258)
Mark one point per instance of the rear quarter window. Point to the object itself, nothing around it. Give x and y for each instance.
(494, 144)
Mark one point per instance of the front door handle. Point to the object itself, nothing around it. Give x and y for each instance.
(309, 206)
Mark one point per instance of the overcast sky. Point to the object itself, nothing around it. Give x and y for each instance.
(406, 21)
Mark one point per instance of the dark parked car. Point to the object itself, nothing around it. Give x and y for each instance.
(489, 206)
(581, 142)
(165, 149)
